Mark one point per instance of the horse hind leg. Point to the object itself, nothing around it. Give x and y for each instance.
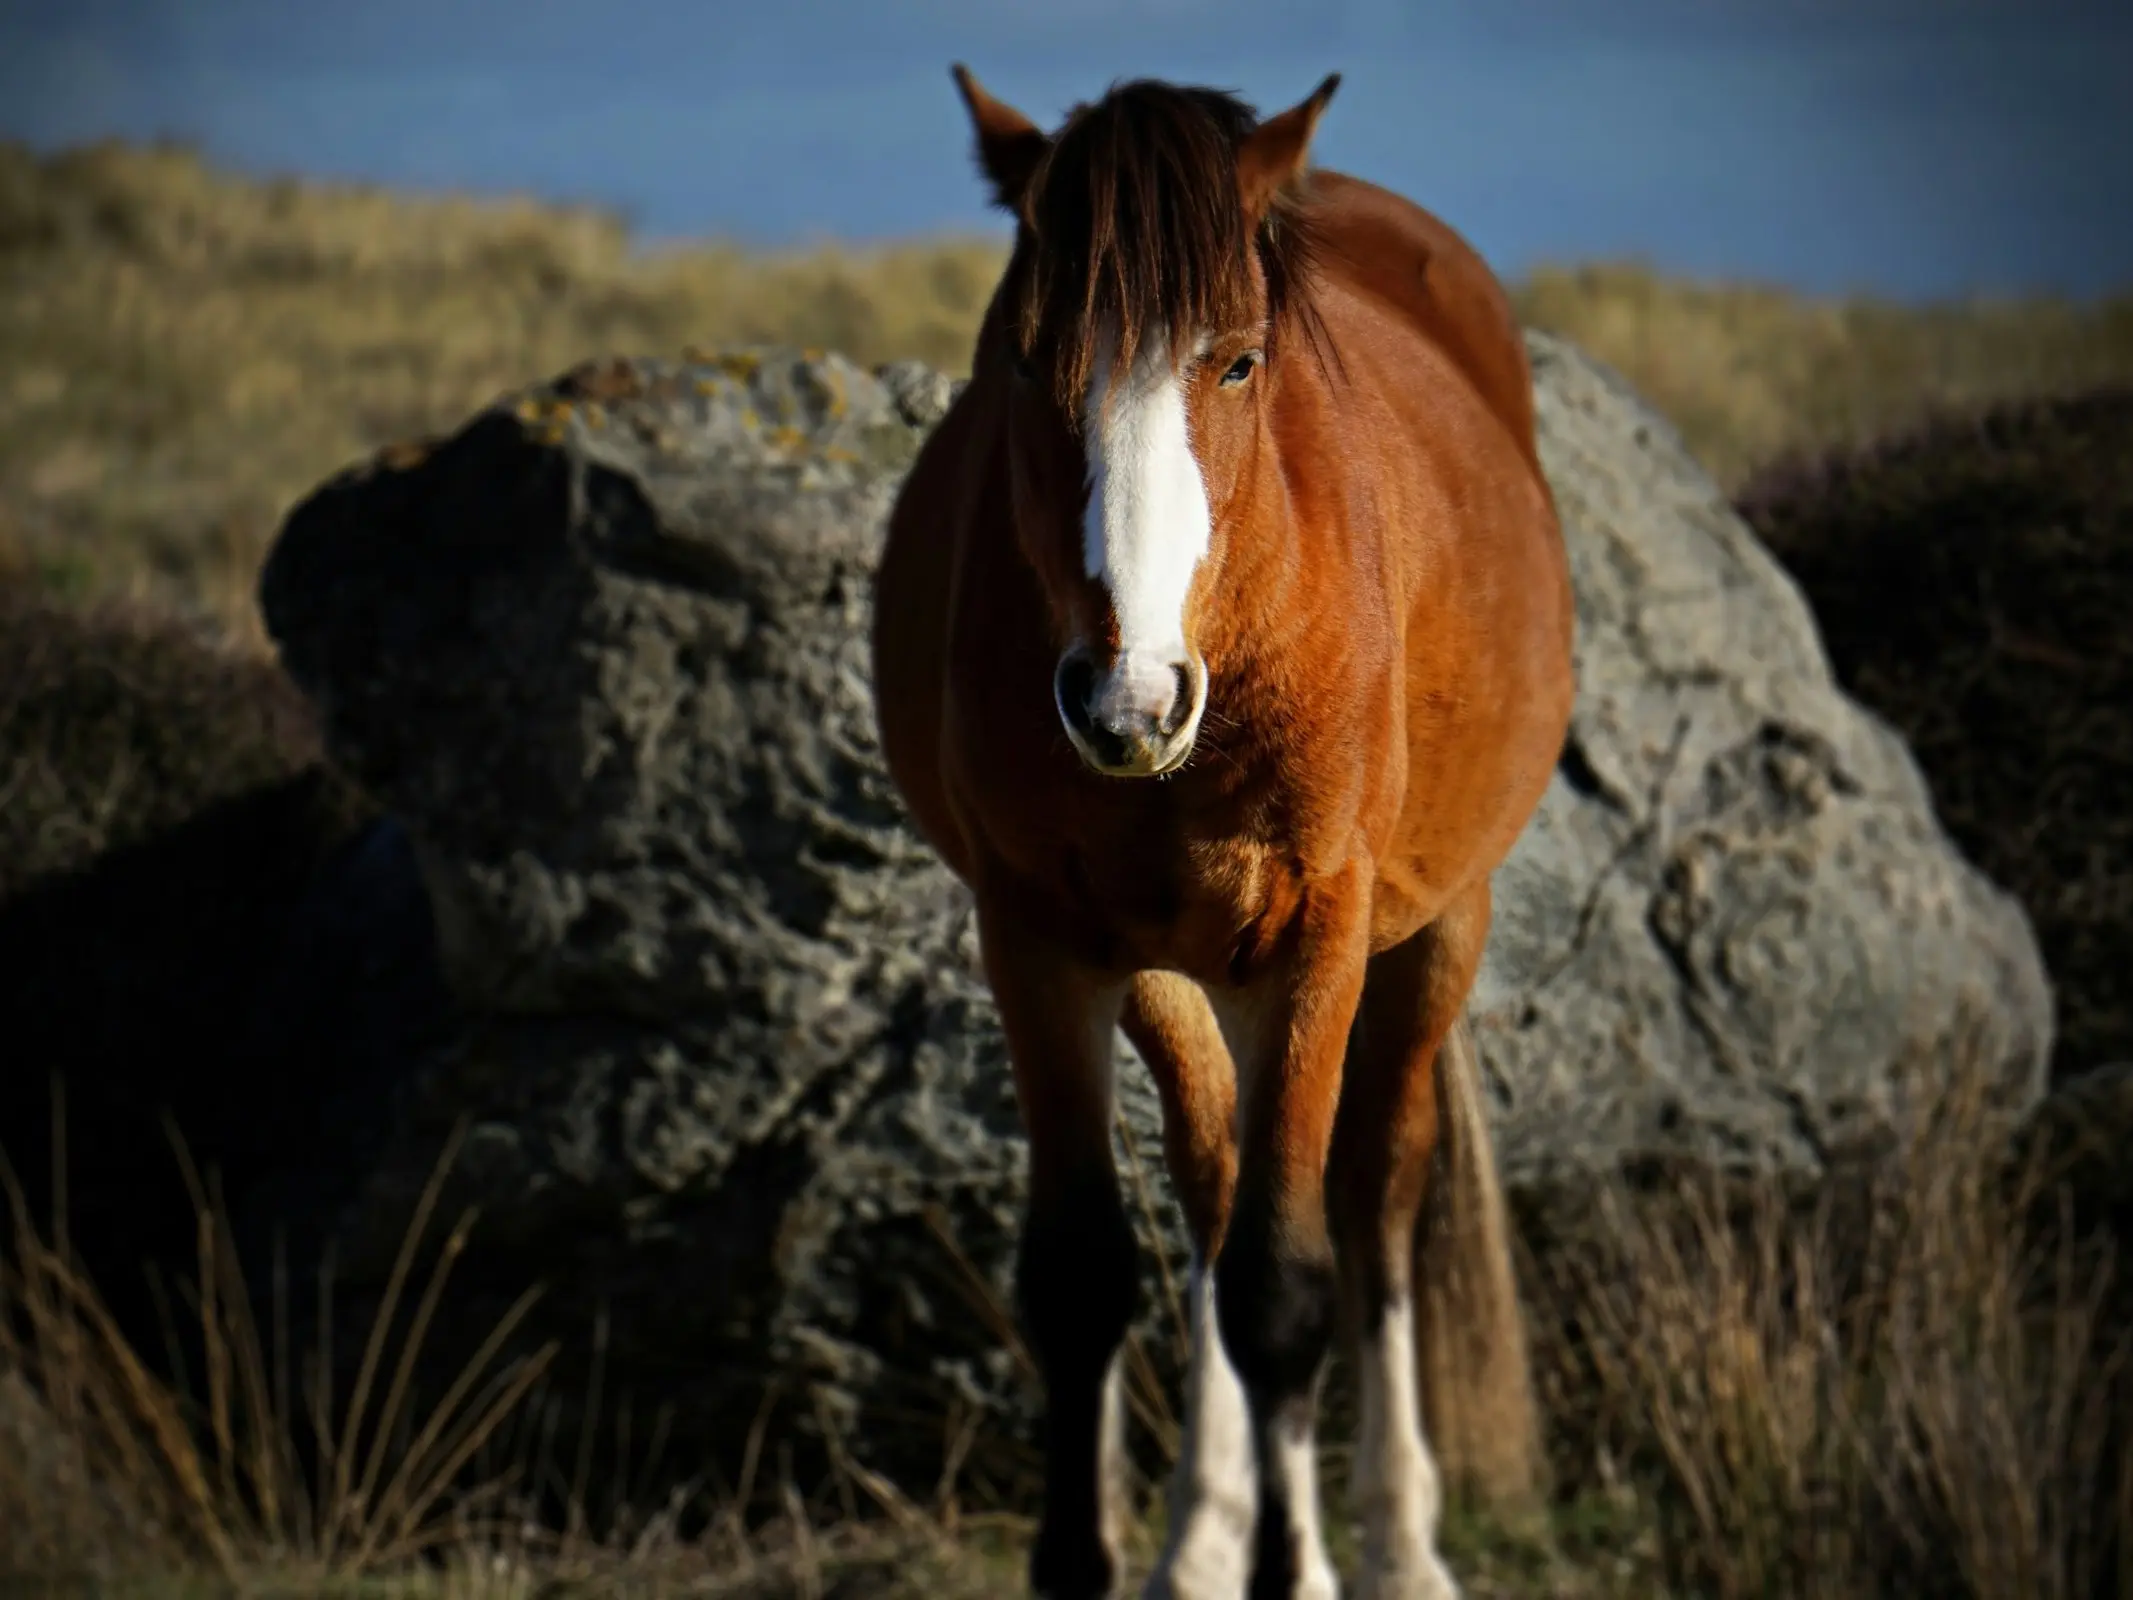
(1076, 1276)
(1213, 1488)
(1406, 1157)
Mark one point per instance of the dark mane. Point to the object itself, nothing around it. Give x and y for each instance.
(1135, 216)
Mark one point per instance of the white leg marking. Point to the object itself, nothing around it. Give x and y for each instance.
(1293, 1457)
(1397, 1492)
(1214, 1489)
(1291, 1453)
(1147, 523)
(1114, 1493)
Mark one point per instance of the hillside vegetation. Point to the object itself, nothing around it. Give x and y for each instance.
(184, 352)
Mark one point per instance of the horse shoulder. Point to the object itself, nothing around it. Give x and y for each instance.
(1473, 547)
(914, 586)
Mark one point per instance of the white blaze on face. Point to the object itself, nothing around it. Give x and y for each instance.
(1147, 524)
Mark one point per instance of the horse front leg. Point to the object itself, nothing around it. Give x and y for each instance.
(1076, 1278)
(1384, 1140)
(1274, 1279)
(1213, 1489)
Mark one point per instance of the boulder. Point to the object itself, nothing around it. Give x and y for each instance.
(727, 1073)
(1734, 931)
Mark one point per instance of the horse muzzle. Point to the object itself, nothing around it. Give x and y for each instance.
(1135, 718)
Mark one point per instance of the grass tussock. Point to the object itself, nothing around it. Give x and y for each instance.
(185, 353)
(229, 1465)
(167, 826)
(1909, 1381)
(257, 1467)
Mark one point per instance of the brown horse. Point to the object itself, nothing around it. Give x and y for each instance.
(1222, 645)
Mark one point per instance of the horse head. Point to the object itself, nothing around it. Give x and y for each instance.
(1133, 344)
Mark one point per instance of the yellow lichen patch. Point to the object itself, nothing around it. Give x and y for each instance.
(838, 454)
(709, 386)
(594, 413)
(740, 365)
(834, 403)
(788, 439)
(653, 434)
(542, 411)
(749, 419)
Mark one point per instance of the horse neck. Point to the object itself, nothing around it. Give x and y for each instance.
(1280, 610)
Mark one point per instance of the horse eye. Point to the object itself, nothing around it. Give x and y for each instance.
(1240, 369)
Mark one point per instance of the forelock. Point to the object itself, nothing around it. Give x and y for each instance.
(1136, 224)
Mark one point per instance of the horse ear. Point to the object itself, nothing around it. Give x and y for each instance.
(1009, 145)
(1274, 153)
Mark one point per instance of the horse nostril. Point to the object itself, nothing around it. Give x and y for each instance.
(1181, 702)
(1075, 685)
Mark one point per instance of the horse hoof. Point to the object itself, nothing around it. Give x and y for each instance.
(1077, 1570)
(1422, 1579)
(1195, 1573)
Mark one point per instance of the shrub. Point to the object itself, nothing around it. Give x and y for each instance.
(165, 812)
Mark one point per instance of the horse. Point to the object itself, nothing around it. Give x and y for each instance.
(1222, 647)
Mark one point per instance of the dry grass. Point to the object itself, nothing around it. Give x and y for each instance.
(183, 353)
(230, 1469)
(1909, 1382)
(1751, 375)
(256, 1470)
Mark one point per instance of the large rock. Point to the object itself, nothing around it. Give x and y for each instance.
(728, 1068)
(1734, 930)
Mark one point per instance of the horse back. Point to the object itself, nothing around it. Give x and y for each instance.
(1396, 252)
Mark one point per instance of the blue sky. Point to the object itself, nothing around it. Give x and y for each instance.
(1911, 147)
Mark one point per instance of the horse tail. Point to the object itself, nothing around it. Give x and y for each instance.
(1475, 1372)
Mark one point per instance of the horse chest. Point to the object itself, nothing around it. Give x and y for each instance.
(1137, 889)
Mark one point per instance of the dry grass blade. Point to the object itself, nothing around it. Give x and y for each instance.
(979, 1294)
(126, 1430)
(344, 1506)
(451, 1436)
